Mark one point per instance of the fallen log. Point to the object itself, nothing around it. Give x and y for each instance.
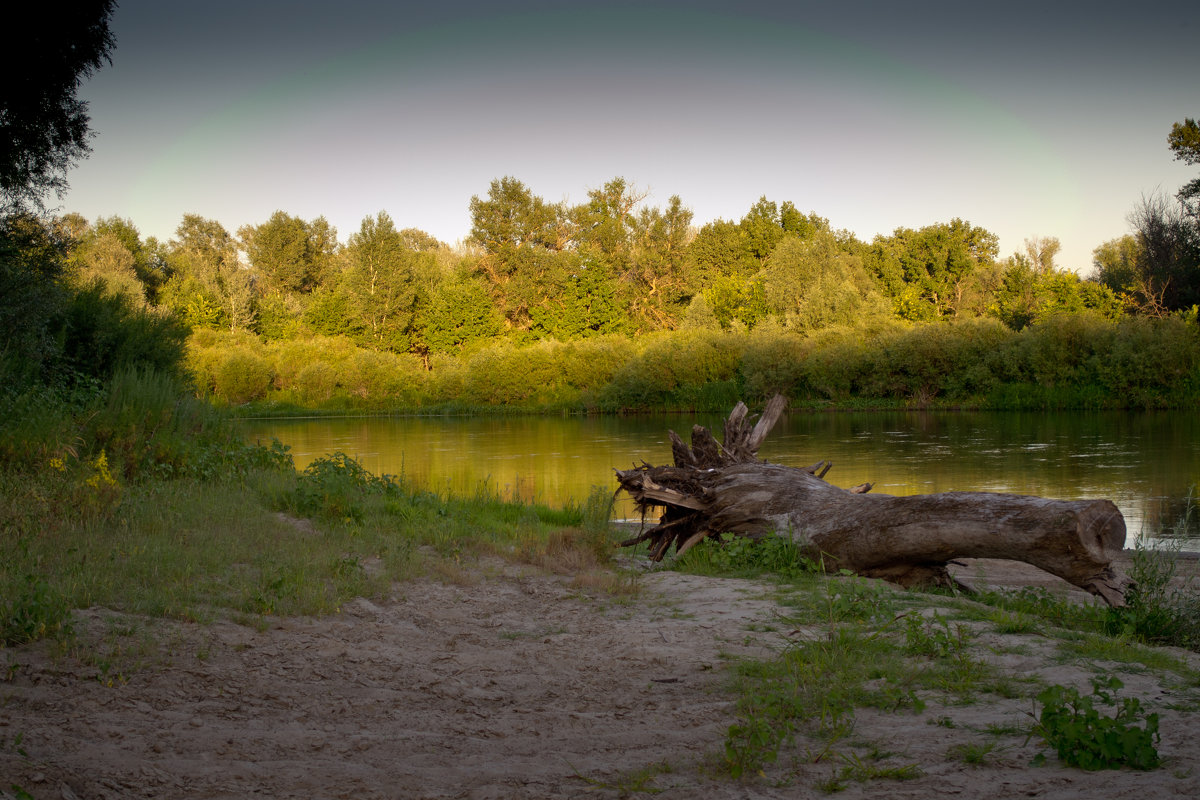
(714, 489)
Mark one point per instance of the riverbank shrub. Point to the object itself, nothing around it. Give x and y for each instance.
(102, 333)
(931, 361)
(376, 380)
(670, 370)
(1152, 361)
(241, 376)
(1062, 361)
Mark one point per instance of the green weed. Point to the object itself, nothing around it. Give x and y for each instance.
(975, 754)
(854, 768)
(1160, 608)
(740, 556)
(814, 686)
(1083, 737)
(333, 487)
(933, 636)
(32, 610)
(638, 781)
(1123, 650)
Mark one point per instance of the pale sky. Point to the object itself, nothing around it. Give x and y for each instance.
(1025, 118)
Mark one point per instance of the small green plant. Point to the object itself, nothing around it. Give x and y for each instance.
(34, 611)
(1013, 622)
(1159, 607)
(1006, 729)
(333, 487)
(742, 556)
(638, 781)
(933, 637)
(975, 754)
(1083, 737)
(1030, 604)
(813, 688)
(854, 768)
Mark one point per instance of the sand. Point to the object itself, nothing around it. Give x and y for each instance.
(503, 683)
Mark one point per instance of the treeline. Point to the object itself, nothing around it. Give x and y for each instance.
(533, 271)
(608, 305)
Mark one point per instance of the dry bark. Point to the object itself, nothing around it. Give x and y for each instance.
(714, 489)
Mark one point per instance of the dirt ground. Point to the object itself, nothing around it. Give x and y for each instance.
(507, 683)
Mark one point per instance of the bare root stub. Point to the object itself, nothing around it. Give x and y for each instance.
(715, 488)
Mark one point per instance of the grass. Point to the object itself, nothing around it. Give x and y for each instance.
(637, 781)
(862, 644)
(868, 654)
(198, 530)
(975, 754)
(270, 543)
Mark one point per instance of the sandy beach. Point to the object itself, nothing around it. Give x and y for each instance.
(504, 682)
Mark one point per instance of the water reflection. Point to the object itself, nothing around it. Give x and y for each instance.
(1147, 463)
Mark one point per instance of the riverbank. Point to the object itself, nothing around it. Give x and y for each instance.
(504, 680)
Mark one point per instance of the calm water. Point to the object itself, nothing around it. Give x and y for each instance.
(1147, 463)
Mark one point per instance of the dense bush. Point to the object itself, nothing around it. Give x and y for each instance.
(1061, 361)
(242, 376)
(102, 333)
(380, 379)
(507, 375)
(315, 383)
(668, 370)
(53, 333)
(947, 361)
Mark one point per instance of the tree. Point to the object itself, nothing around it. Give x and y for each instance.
(418, 240)
(108, 259)
(332, 312)
(294, 256)
(1041, 252)
(605, 223)
(579, 300)
(1168, 266)
(113, 250)
(643, 251)
(656, 278)
(719, 249)
(926, 271)
(767, 223)
(380, 281)
(149, 258)
(1184, 141)
(32, 266)
(512, 217)
(1028, 292)
(812, 284)
(520, 234)
(1115, 264)
(459, 314)
(208, 286)
(762, 229)
(734, 298)
(50, 49)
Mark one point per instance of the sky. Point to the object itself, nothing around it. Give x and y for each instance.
(1029, 119)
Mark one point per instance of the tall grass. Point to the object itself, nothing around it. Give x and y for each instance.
(255, 540)
(1163, 604)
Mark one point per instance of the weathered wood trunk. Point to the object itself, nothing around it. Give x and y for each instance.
(907, 540)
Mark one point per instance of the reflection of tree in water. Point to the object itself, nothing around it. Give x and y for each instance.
(1175, 517)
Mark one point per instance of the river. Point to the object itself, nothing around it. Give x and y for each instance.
(1148, 463)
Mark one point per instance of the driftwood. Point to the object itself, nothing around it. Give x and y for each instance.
(714, 489)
